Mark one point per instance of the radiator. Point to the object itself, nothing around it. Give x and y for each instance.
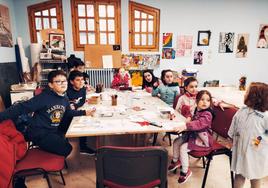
(104, 76)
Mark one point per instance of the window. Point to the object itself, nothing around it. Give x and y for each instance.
(44, 16)
(96, 22)
(143, 27)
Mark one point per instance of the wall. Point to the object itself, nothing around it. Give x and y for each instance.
(187, 17)
(8, 54)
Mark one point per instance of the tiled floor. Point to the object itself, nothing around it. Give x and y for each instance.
(81, 171)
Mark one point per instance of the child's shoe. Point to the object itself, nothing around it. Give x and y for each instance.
(174, 165)
(184, 177)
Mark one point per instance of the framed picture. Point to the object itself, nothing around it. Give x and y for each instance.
(203, 38)
(5, 28)
(56, 41)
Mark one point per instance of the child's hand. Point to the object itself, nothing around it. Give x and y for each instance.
(158, 95)
(156, 84)
(188, 119)
(90, 112)
(149, 89)
(72, 106)
(180, 128)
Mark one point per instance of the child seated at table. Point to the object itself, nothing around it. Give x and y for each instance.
(121, 79)
(168, 90)
(149, 81)
(198, 136)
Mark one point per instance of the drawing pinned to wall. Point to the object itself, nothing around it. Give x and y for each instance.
(198, 57)
(226, 44)
(203, 38)
(263, 36)
(5, 27)
(168, 53)
(242, 45)
(184, 45)
(167, 40)
(140, 61)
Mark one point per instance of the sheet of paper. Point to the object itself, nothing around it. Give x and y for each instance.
(107, 61)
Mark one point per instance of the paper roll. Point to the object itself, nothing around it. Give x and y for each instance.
(24, 59)
(35, 52)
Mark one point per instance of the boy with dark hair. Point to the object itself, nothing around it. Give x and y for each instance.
(80, 66)
(76, 93)
(49, 108)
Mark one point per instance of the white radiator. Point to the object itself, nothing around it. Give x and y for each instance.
(97, 76)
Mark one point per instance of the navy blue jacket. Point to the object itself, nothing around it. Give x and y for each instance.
(77, 98)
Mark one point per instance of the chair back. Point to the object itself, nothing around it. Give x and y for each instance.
(223, 120)
(122, 167)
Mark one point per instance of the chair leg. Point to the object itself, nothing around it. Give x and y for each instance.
(155, 138)
(62, 178)
(206, 172)
(48, 181)
(65, 164)
(232, 174)
(204, 162)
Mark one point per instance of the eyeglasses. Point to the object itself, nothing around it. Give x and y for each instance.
(59, 82)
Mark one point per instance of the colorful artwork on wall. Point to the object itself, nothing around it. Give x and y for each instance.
(140, 61)
(168, 53)
(198, 57)
(226, 43)
(167, 40)
(203, 38)
(184, 45)
(242, 45)
(136, 77)
(263, 36)
(5, 28)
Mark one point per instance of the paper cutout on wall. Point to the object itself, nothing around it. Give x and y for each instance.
(184, 45)
(242, 45)
(168, 53)
(198, 57)
(263, 36)
(140, 61)
(167, 40)
(226, 43)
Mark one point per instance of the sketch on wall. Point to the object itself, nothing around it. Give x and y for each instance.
(263, 36)
(5, 27)
(184, 45)
(242, 45)
(226, 44)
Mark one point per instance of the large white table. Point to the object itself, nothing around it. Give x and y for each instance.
(124, 119)
(230, 95)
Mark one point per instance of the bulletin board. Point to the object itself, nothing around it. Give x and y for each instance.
(94, 55)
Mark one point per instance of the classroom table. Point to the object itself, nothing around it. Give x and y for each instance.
(122, 118)
(231, 95)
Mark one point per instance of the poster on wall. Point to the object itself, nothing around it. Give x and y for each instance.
(226, 44)
(5, 27)
(167, 40)
(198, 57)
(184, 45)
(168, 53)
(242, 45)
(203, 38)
(136, 77)
(140, 61)
(263, 36)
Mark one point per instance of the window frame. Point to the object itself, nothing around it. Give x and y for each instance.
(75, 24)
(40, 7)
(156, 26)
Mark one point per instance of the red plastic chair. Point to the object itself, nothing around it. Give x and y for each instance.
(127, 167)
(39, 162)
(220, 126)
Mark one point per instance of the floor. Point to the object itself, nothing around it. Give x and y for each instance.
(81, 171)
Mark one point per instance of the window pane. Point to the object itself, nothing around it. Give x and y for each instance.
(137, 26)
(143, 26)
(91, 38)
(103, 38)
(102, 25)
(110, 10)
(137, 39)
(81, 10)
(83, 38)
(150, 16)
(37, 13)
(150, 39)
(38, 24)
(45, 12)
(150, 26)
(54, 23)
(110, 25)
(90, 24)
(38, 37)
(137, 14)
(143, 15)
(111, 38)
(143, 39)
(90, 10)
(102, 10)
(53, 12)
(46, 23)
(82, 24)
